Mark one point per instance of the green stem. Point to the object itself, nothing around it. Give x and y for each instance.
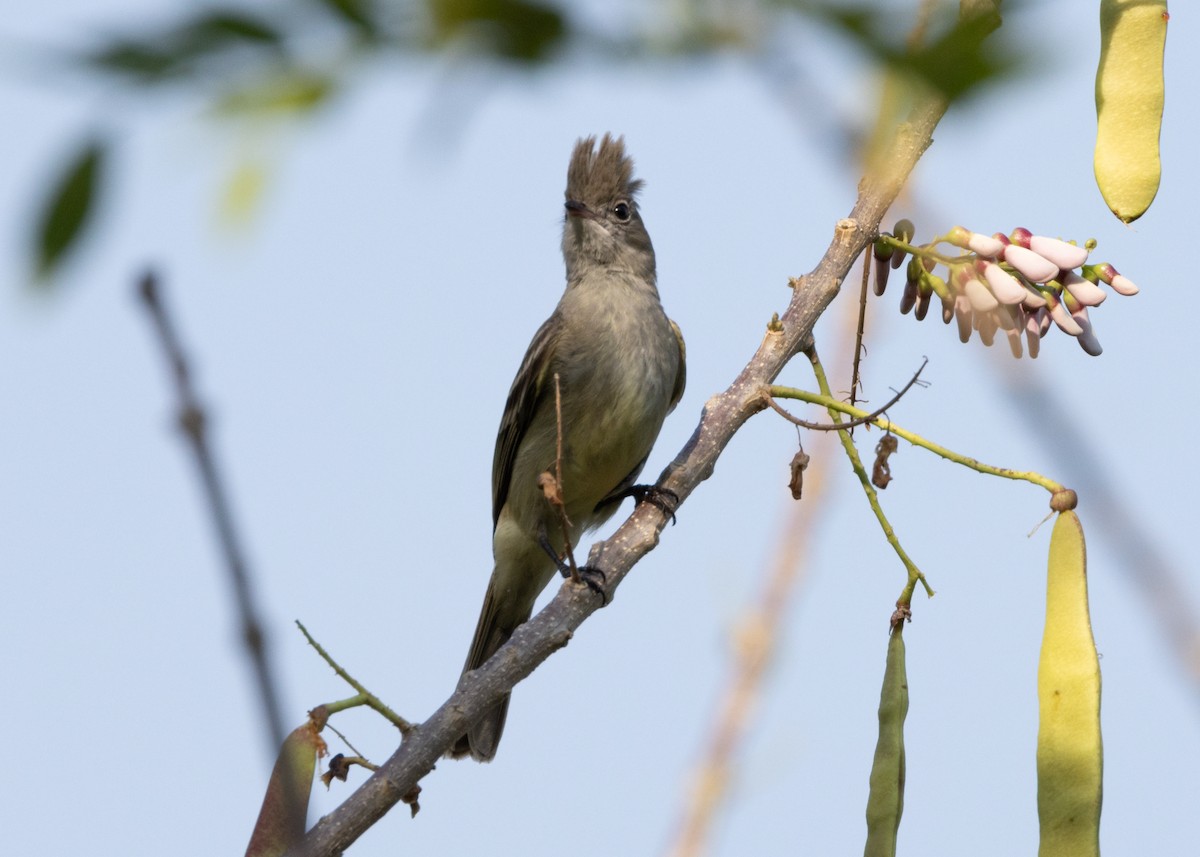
(364, 696)
(831, 404)
(914, 573)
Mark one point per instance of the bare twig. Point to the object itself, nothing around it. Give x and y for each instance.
(194, 423)
(860, 326)
(364, 697)
(849, 424)
(561, 503)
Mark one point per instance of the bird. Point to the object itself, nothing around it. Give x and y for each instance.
(616, 365)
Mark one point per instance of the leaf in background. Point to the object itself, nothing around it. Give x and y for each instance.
(956, 63)
(296, 91)
(243, 191)
(172, 52)
(514, 29)
(360, 14)
(67, 207)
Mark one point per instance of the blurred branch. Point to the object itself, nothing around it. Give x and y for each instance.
(724, 414)
(194, 423)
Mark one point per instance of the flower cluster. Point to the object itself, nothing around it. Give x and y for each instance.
(1019, 284)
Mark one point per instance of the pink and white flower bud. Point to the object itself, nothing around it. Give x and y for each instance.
(1006, 287)
(947, 308)
(908, 297)
(977, 293)
(962, 314)
(1034, 299)
(1061, 253)
(1014, 341)
(1087, 337)
(1122, 285)
(1084, 291)
(987, 327)
(1043, 318)
(984, 245)
(1062, 317)
(1033, 334)
(1029, 264)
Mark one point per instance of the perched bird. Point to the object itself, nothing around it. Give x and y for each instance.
(620, 367)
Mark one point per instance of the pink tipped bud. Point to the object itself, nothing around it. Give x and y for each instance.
(987, 328)
(1021, 237)
(1122, 285)
(1009, 318)
(923, 297)
(1004, 285)
(1033, 336)
(962, 314)
(1062, 317)
(977, 293)
(1066, 256)
(882, 269)
(1084, 291)
(1043, 318)
(908, 297)
(1014, 341)
(1033, 299)
(947, 308)
(984, 245)
(1031, 266)
(1087, 337)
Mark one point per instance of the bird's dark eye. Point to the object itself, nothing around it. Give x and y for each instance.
(621, 211)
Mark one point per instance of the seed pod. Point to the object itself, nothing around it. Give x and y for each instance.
(886, 801)
(281, 821)
(1129, 103)
(1069, 750)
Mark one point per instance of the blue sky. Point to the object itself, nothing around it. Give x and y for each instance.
(355, 343)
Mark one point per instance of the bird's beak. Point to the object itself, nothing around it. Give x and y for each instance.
(575, 208)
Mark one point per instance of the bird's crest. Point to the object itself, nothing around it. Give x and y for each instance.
(601, 175)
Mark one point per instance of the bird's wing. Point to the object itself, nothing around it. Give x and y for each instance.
(681, 376)
(527, 390)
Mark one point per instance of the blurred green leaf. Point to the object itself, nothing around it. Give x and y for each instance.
(68, 206)
(293, 92)
(171, 52)
(514, 29)
(955, 64)
(360, 14)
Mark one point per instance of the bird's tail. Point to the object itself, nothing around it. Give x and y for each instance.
(497, 621)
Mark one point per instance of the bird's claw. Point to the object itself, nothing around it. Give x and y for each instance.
(666, 500)
(596, 580)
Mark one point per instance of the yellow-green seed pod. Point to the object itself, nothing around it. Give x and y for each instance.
(1129, 103)
(1069, 752)
(886, 801)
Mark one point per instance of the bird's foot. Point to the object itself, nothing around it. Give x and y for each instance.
(596, 580)
(664, 499)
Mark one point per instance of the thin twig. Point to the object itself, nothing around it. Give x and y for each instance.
(855, 377)
(914, 573)
(364, 697)
(560, 502)
(194, 423)
(832, 404)
(858, 421)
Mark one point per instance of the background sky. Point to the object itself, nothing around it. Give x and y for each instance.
(355, 343)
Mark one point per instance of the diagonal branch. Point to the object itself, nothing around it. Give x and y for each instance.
(721, 418)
